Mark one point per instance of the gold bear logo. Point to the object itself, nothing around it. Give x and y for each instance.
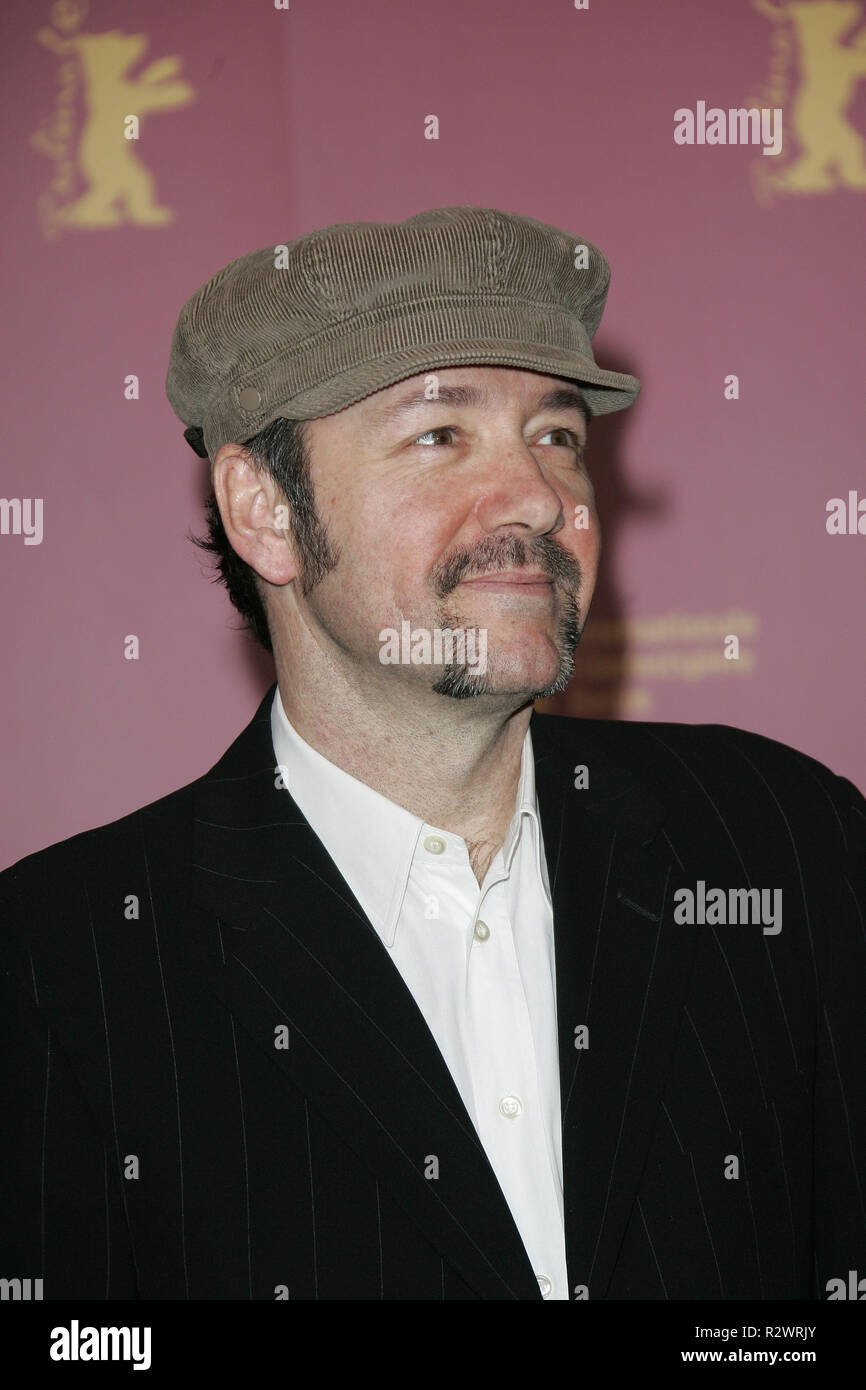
(119, 186)
(830, 152)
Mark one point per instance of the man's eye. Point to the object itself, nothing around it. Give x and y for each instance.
(571, 439)
(574, 440)
(440, 429)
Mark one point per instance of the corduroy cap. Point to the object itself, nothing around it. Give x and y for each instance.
(306, 329)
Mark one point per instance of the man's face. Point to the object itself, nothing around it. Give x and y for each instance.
(437, 512)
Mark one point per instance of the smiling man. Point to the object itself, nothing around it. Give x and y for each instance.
(452, 512)
(418, 994)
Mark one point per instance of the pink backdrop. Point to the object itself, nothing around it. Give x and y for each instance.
(279, 121)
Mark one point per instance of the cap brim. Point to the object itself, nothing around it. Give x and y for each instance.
(605, 391)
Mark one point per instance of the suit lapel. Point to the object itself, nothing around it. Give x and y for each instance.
(297, 950)
(622, 969)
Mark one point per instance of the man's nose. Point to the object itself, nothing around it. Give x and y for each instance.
(515, 492)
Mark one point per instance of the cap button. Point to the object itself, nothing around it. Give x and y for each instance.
(250, 398)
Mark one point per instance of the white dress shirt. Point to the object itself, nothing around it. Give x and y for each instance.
(479, 962)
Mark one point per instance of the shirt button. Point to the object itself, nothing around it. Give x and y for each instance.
(510, 1107)
(482, 931)
(434, 844)
(545, 1286)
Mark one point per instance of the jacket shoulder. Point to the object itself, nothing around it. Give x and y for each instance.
(680, 759)
(166, 815)
(162, 821)
(50, 899)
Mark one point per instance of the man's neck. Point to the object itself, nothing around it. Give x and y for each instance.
(458, 771)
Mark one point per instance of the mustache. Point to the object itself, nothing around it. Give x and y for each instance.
(511, 553)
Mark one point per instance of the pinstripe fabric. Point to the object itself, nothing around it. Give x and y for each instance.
(158, 1143)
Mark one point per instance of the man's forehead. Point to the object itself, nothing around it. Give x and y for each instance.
(481, 387)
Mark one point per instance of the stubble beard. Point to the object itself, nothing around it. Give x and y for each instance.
(320, 557)
(457, 681)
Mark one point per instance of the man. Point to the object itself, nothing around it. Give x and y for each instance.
(418, 994)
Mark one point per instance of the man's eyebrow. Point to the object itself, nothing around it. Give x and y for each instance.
(560, 398)
(447, 395)
(565, 398)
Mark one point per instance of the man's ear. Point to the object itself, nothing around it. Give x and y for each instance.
(254, 514)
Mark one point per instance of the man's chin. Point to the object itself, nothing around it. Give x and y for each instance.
(519, 681)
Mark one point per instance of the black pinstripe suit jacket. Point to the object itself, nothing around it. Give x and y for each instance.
(159, 1144)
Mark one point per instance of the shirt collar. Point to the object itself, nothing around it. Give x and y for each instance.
(377, 861)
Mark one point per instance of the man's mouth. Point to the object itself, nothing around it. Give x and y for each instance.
(524, 580)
